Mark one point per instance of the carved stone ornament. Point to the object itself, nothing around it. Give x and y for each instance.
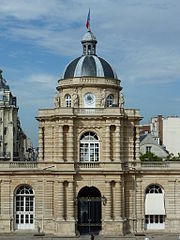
(103, 98)
(121, 100)
(75, 99)
(57, 100)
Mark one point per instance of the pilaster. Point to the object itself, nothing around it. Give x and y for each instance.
(117, 201)
(59, 200)
(70, 144)
(107, 144)
(60, 143)
(70, 201)
(117, 144)
(41, 143)
(108, 209)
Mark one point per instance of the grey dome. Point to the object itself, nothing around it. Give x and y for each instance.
(89, 64)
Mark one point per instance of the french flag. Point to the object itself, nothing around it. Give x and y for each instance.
(88, 20)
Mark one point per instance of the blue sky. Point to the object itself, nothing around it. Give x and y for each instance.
(140, 38)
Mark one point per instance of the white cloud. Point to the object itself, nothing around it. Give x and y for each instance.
(139, 38)
(42, 80)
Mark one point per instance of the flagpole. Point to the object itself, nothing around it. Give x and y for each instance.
(88, 21)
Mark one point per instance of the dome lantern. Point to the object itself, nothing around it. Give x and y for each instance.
(89, 43)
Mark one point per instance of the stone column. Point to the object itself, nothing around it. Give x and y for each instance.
(139, 206)
(108, 209)
(117, 201)
(70, 144)
(60, 145)
(107, 144)
(59, 200)
(70, 201)
(122, 140)
(5, 199)
(123, 206)
(52, 143)
(41, 143)
(117, 144)
(137, 142)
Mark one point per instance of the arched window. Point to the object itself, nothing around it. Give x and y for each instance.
(24, 207)
(154, 189)
(154, 207)
(68, 100)
(89, 147)
(109, 100)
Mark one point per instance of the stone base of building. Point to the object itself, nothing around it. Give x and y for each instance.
(113, 228)
(57, 227)
(6, 225)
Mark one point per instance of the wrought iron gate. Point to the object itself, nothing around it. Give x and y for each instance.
(89, 215)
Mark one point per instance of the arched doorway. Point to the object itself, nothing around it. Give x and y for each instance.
(89, 210)
(24, 207)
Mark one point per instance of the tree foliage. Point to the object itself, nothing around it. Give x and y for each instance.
(149, 156)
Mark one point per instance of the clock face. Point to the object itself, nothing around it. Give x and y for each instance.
(89, 98)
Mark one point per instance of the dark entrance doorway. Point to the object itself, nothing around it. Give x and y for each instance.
(89, 210)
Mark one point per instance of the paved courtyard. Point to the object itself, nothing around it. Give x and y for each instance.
(31, 236)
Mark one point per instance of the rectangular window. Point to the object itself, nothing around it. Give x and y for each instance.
(96, 152)
(156, 218)
(151, 219)
(31, 218)
(17, 218)
(84, 152)
(161, 218)
(4, 98)
(148, 149)
(27, 218)
(27, 203)
(31, 203)
(147, 219)
(22, 218)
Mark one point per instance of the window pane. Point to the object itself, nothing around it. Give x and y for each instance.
(31, 218)
(17, 218)
(91, 152)
(156, 218)
(27, 205)
(31, 203)
(147, 219)
(161, 218)
(151, 218)
(22, 218)
(27, 218)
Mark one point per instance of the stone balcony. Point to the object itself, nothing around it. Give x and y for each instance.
(132, 166)
(111, 111)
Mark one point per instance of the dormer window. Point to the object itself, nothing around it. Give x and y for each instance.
(109, 100)
(67, 100)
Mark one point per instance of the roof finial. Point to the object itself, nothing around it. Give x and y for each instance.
(88, 21)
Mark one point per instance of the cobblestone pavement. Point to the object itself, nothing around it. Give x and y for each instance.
(30, 236)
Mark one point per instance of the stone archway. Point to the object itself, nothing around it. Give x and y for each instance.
(89, 210)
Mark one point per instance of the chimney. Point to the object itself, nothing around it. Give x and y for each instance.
(160, 129)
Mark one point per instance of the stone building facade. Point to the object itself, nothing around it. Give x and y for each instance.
(11, 134)
(88, 177)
